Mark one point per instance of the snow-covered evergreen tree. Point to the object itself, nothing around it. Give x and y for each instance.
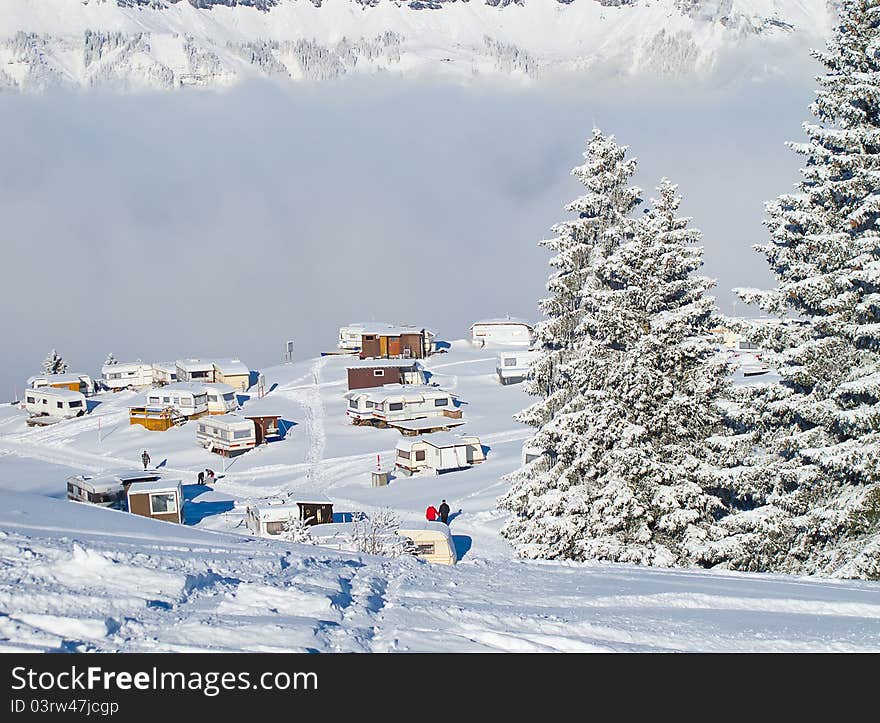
(296, 530)
(54, 364)
(813, 479)
(110, 360)
(623, 475)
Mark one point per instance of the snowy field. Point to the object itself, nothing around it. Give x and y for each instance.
(79, 578)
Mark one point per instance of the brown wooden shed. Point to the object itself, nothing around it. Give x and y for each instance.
(314, 508)
(160, 500)
(405, 342)
(266, 426)
(378, 375)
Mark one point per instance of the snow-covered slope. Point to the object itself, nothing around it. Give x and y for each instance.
(77, 577)
(171, 43)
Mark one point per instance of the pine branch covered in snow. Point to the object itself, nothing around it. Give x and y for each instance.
(377, 535)
(296, 530)
(813, 469)
(110, 360)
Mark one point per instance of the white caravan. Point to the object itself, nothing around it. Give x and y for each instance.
(127, 375)
(221, 399)
(56, 403)
(438, 453)
(227, 434)
(399, 402)
(513, 366)
(189, 400)
(502, 332)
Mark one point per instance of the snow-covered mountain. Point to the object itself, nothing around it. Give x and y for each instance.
(166, 44)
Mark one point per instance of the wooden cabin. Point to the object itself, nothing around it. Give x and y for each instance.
(314, 507)
(381, 372)
(393, 403)
(265, 426)
(404, 342)
(221, 398)
(438, 453)
(433, 541)
(227, 435)
(54, 403)
(127, 375)
(514, 366)
(160, 500)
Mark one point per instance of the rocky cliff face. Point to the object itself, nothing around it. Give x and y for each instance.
(167, 44)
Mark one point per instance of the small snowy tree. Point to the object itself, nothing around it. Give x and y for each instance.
(54, 364)
(624, 475)
(110, 360)
(377, 535)
(296, 530)
(813, 477)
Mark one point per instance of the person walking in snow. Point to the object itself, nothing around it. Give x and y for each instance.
(444, 512)
(431, 513)
(145, 458)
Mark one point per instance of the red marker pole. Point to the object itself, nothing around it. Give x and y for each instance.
(378, 466)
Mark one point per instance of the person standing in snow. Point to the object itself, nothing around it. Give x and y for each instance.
(431, 513)
(201, 478)
(145, 458)
(209, 476)
(444, 512)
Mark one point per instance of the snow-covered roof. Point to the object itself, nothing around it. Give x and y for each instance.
(125, 366)
(191, 387)
(393, 329)
(409, 391)
(370, 363)
(417, 425)
(507, 320)
(132, 475)
(165, 366)
(67, 394)
(222, 388)
(310, 497)
(99, 485)
(425, 526)
(437, 439)
(226, 420)
(171, 485)
(232, 367)
(272, 510)
(195, 365)
(527, 355)
(67, 378)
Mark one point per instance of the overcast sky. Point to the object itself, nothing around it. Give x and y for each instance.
(186, 224)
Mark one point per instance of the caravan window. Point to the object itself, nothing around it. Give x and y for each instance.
(353, 403)
(402, 454)
(241, 434)
(274, 528)
(510, 361)
(60, 405)
(420, 455)
(163, 503)
(441, 402)
(395, 406)
(212, 397)
(31, 400)
(378, 372)
(229, 397)
(166, 400)
(425, 548)
(155, 400)
(76, 403)
(202, 428)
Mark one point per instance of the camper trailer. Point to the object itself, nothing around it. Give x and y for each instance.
(226, 435)
(75, 382)
(438, 453)
(54, 403)
(502, 332)
(268, 518)
(399, 403)
(127, 375)
(381, 372)
(189, 400)
(350, 336)
(164, 373)
(159, 500)
(194, 370)
(513, 366)
(106, 491)
(221, 399)
(433, 541)
(232, 372)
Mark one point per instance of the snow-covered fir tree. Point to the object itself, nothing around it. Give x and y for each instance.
(811, 487)
(110, 360)
(296, 530)
(54, 364)
(624, 474)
